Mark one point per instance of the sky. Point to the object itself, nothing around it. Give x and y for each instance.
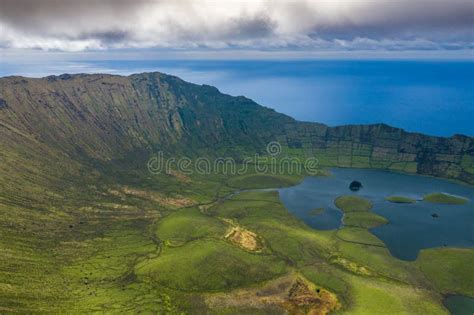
(189, 38)
(258, 28)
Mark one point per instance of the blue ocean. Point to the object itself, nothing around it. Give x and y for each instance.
(431, 97)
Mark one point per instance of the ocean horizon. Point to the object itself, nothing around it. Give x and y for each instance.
(430, 97)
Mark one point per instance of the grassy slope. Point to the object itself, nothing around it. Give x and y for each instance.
(187, 225)
(450, 269)
(75, 249)
(208, 265)
(73, 241)
(111, 257)
(144, 256)
(357, 272)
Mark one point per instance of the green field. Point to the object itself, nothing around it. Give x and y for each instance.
(88, 226)
(129, 248)
(450, 269)
(208, 265)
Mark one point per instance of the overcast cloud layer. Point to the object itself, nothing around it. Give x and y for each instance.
(73, 25)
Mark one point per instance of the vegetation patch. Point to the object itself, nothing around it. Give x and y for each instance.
(327, 276)
(363, 219)
(400, 199)
(351, 203)
(450, 269)
(359, 236)
(444, 198)
(357, 212)
(188, 224)
(208, 265)
(378, 260)
(370, 296)
(286, 236)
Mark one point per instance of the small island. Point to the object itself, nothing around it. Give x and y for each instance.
(400, 199)
(444, 198)
(357, 212)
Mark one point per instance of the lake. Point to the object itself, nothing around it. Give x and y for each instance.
(459, 305)
(411, 227)
(432, 97)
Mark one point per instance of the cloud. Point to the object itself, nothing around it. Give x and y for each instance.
(71, 25)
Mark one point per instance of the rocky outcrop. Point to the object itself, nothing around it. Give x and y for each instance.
(382, 146)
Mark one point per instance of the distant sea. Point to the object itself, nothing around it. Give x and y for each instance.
(431, 97)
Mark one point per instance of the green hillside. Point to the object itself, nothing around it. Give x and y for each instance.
(86, 227)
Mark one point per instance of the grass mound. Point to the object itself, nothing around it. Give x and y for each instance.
(208, 265)
(443, 198)
(357, 212)
(188, 224)
(352, 203)
(363, 219)
(400, 199)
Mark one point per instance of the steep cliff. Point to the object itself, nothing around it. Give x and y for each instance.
(101, 118)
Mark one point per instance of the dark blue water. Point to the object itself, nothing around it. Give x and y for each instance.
(459, 305)
(432, 97)
(411, 226)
